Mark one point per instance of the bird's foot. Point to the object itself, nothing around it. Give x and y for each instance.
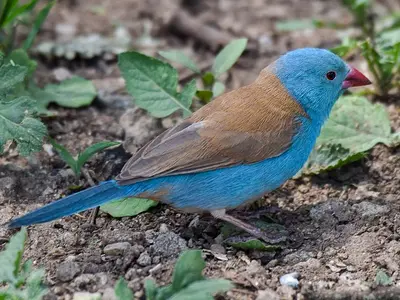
(271, 235)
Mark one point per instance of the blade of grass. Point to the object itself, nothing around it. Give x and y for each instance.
(66, 156)
(19, 11)
(92, 150)
(41, 17)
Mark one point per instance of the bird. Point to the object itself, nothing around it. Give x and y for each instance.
(233, 150)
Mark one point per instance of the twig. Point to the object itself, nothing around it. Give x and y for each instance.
(94, 212)
(87, 176)
(188, 25)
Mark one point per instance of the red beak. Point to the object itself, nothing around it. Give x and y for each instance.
(355, 78)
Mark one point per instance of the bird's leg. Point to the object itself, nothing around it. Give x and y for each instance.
(271, 237)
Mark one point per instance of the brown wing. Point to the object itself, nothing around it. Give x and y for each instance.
(244, 126)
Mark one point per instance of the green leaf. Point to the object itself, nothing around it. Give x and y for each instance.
(10, 258)
(17, 124)
(21, 58)
(188, 269)
(327, 157)
(34, 285)
(242, 240)
(180, 57)
(153, 84)
(74, 92)
(128, 207)
(41, 97)
(6, 7)
(348, 45)
(382, 278)
(356, 124)
(37, 24)
(203, 290)
(292, 25)
(66, 156)
(204, 95)
(186, 96)
(150, 288)
(122, 291)
(245, 242)
(92, 150)
(18, 11)
(10, 76)
(228, 56)
(208, 79)
(218, 89)
(390, 37)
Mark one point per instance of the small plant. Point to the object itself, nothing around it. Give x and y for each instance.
(153, 83)
(12, 14)
(77, 163)
(354, 127)
(187, 282)
(379, 44)
(21, 100)
(224, 60)
(18, 112)
(19, 280)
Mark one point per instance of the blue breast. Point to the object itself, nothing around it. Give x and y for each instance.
(231, 187)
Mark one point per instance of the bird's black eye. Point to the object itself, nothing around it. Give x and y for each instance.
(331, 75)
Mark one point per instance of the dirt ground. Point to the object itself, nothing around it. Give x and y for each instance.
(345, 224)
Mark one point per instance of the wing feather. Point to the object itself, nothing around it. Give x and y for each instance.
(244, 126)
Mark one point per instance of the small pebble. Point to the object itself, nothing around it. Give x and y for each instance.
(163, 228)
(109, 294)
(116, 248)
(217, 248)
(86, 296)
(67, 271)
(144, 259)
(290, 279)
(155, 269)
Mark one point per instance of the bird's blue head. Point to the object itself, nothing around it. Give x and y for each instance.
(316, 78)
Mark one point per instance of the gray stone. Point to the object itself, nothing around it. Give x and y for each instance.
(168, 244)
(217, 248)
(117, 236)
(116, 248)
(290, 279)
(368, 209)
(84, 280)
(163, 228)
(69, 238)
(267, 294)
(131, 274)
(139, 128)
(332, 212)
(286, 292)
(7, 183)
(67, 271)
(144, 260)
(7, 187)
(254, 267)
(109, 294)
(86, 296)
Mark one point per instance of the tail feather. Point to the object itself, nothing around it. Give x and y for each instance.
(75, 203)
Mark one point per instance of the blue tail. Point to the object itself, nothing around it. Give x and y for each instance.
(75, 203)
